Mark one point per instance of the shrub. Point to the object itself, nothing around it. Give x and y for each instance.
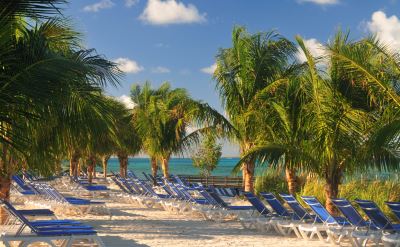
(272, 180)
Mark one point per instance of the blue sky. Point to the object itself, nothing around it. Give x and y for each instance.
(177, 40)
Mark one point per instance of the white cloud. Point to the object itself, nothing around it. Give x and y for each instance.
(130, 3)
(103, 4)
(127, 101)
(210, 69)
(315, 48)
(386, 28)
(128, 66)
(320, 2)
(160, 70)
(160, 12)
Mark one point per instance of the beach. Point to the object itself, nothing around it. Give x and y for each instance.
(136, 226)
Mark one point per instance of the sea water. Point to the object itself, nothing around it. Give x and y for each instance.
(183, 166)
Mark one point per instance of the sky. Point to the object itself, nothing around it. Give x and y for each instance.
(177, 40)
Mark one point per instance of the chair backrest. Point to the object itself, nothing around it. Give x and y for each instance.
(257, 204)
(20, 182)
(395, 207)
(375, 214)
(349, 212)
(147, 177)
(319, 210)
(227, 192)
(275, 204)
(120, 185)
(207, 196)
(217, 198)
(13, 211)
(295, 206)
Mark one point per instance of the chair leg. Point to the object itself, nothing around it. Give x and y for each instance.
(98, 241)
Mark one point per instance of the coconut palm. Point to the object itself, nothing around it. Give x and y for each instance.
(162, 118)
(46, 79)
(351, 125)
(252, 68)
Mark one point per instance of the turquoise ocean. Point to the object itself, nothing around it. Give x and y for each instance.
(177, 166)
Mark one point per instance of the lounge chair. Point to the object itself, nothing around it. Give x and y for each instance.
(390, 231)
(285, 217)
(83, 206)
(395, 207)
(335, 227)
(363, 231)
(263, 221)
(47, 231)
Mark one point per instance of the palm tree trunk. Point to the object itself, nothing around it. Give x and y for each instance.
(104, 162)
(331, 188)
(73, 164)
(90, 168)
(165, 166)
(292, 180)
(5, 181)
(5, 186)
(123, 163)
(247, 169)
(154, 168)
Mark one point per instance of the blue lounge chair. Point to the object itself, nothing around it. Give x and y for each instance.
(276, 205)
(375, 214)
(395, 207)
(264, 220)
(335, 227)
(363, 230)
(22, 187)
(300, 216)
(48, 231)
(84, 206)
(390, 231)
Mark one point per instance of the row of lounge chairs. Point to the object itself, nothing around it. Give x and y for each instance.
(179, 196)
(30, 226)
(321, 223)
(315, 222)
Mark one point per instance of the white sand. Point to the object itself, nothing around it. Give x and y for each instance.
(135, 226)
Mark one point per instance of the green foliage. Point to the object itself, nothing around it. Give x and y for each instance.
(272, 180)
(207, 156)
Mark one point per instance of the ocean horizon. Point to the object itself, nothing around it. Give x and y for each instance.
(178, 166)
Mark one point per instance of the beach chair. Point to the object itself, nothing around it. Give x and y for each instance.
(22, 187)
(46, 231)
(300, 216)
(285, 217)
(390, 231)
(363, 230)
(395, 207)
(375, 214)
(263, 220)
(224, 210)
(336, 228)
(83, 206)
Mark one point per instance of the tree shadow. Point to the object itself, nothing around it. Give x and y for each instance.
(111, 240)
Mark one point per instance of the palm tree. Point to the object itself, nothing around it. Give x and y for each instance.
(247, 72)
(285, 125)
(162, 118)
(350, 124)
(46, 79)
(144, 97)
